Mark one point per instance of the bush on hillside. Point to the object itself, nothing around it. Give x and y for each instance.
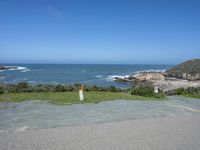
(1, 90)
(60, 88)
(184, 91)
(22, 85)
(147, 91)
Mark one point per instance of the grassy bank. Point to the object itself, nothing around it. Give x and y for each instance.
(192, 95)
(193, 92)
(70, 97)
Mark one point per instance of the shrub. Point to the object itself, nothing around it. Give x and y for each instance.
(25, 87)
(69, 88)
(143, 91)
(42, 88)
(22, 85)
(182, 91)
(94, 88)
(60, 88)
(1, 90)
(170, 92)
(114, 89)
(76, 86)
(191, 90)
(179, 91)
(13, 89)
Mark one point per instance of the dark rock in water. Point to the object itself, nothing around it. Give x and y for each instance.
(117, 79)
(189, 70)
(2, 67)
(7, 67)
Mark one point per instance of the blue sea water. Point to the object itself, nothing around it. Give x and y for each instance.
(89, 74)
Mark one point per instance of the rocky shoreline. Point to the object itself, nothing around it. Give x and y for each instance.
(159, 79)
(183, 75)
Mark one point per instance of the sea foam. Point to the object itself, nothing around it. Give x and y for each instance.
(150, 70)
(18, 68)
(112, 77)
(99, 76)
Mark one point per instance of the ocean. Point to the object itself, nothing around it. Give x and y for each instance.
(88, 74)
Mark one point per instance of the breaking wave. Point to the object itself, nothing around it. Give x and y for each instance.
(151, 70)
(112, 77)
(17, 68)
(99, 76)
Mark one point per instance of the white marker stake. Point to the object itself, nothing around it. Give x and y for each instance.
(81, 94)
(156, 89)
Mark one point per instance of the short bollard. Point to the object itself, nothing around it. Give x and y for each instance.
(156, 90)
(81, 93)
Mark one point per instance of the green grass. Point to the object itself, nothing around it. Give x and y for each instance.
(192, 95)
(70, 97)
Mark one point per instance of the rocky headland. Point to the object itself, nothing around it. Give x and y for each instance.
(183, 75)
(189, 70)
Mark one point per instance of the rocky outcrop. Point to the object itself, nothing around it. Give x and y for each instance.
(142, 76)
(118, 79)
(189, 70)
(7, 67)
(150, 76)
(2, 67)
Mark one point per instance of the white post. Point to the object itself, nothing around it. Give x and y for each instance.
(81, 93)
(156, 89)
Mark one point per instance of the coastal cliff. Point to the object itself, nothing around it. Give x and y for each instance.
(189, 70)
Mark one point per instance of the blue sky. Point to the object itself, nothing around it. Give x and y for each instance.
(103, 31)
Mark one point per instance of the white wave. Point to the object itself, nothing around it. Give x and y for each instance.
(98, 76)
(11, 68)
(25, 70)
(151, 70)
(17, 68)
(112, 77)
(21, 68)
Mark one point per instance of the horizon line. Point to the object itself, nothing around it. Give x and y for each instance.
(40, 63)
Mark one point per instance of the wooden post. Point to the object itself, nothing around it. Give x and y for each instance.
(81, 93)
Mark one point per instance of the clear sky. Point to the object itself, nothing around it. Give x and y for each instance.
(99, 31)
